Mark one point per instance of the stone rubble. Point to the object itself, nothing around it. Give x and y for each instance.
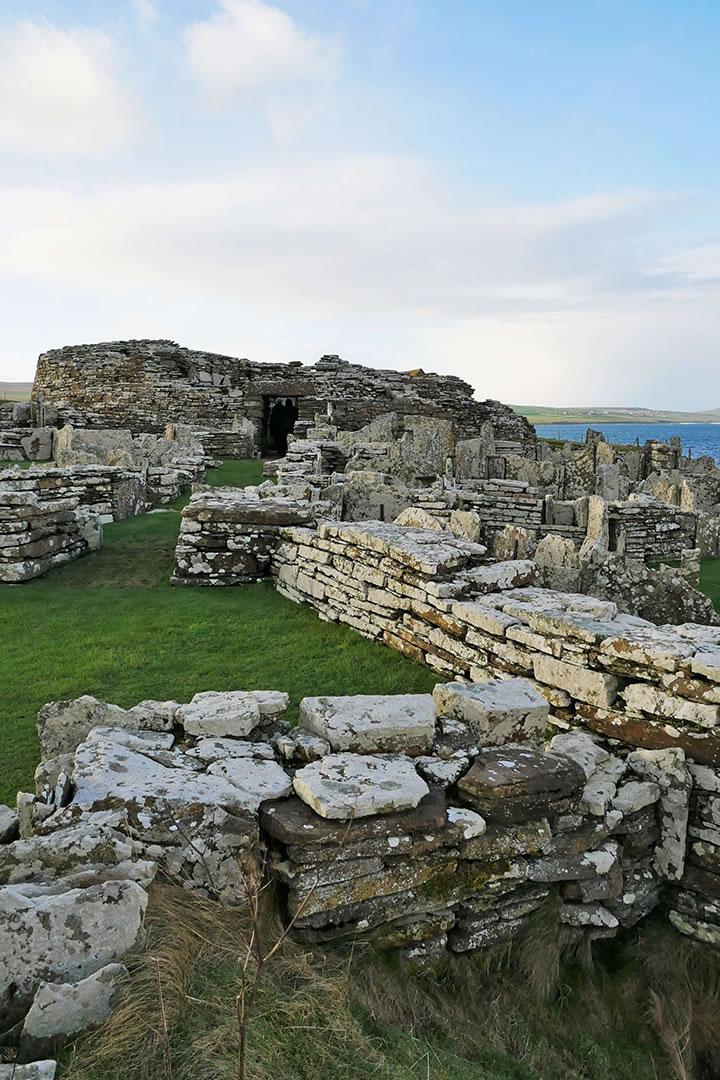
(403, 835)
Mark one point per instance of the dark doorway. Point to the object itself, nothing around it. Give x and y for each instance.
(279, 416)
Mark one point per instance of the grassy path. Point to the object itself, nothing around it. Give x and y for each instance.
(110, 625)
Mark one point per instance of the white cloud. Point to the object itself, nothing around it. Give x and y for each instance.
(373, 256)
(60, 92)
(146, 11)
(695, 263)
(249, 45)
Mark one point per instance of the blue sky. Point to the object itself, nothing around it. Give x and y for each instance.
(523, 193)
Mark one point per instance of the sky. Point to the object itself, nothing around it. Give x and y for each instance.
(522, 193)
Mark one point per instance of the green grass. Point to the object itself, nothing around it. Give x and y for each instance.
(710, 580)
(110, 625)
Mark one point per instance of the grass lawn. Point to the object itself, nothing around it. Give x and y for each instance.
(710, 580)
(110, 625)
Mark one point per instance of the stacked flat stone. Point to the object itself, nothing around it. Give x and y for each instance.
(648, 529)
(145, 384)
(112, 492)
(618, 674)
(428, 824)
(369, 573)
(227, 535)
(226, 443)
(116, 795)
(37, 535)
(499, 828)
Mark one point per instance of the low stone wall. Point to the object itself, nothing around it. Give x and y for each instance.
(428, 824)
(23, 444)
(646, 529)
(227, 535)
(37, 535)
(110, 491)
(598, 668)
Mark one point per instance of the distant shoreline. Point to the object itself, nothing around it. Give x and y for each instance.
(574, 423)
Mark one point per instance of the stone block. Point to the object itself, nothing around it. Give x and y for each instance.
(212, 713)
(593, 687)
(50, 934)
(364, 723)
(346, 786)
(62, 1011)
(516, 783)
(497, 711)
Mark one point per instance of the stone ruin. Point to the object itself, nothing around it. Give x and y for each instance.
(569, 759)
(424, 824)
(144, 385)
(50, 514)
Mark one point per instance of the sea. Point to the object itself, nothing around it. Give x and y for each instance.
(699, 439)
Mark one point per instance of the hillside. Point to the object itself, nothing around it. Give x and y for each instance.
(15, 391)
(542, 414)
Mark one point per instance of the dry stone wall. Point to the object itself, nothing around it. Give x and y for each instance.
(146, 384)
(39, 534)
(426, 824)
(110, 491)
(227, 535)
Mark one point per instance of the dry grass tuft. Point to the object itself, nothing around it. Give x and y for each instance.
(538, 1009)
(183, 930)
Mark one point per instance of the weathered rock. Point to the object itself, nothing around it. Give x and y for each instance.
(589, 865)
(471, 824)
(209, 750)
(443, 771)
(516, 783)
(63, 725)
(640, 697)
(346, 786)
(255, 780)
(155, 715)
(212, 713)
(36, 1070)
(8, 824)
(466, 523)
(371, 723)
(705, 932)
(48, 934)
(301, 747)
(635, 795)
(668, 770)
(593, 687)
(582, 748)
(56, 855)
(62, 1011)
(416, 517)
(498, 711)
(109, 773)
(591, 914)
(293, 822)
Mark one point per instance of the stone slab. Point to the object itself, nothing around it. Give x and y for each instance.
(365, 723)
(497, 711)
(346, 786)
